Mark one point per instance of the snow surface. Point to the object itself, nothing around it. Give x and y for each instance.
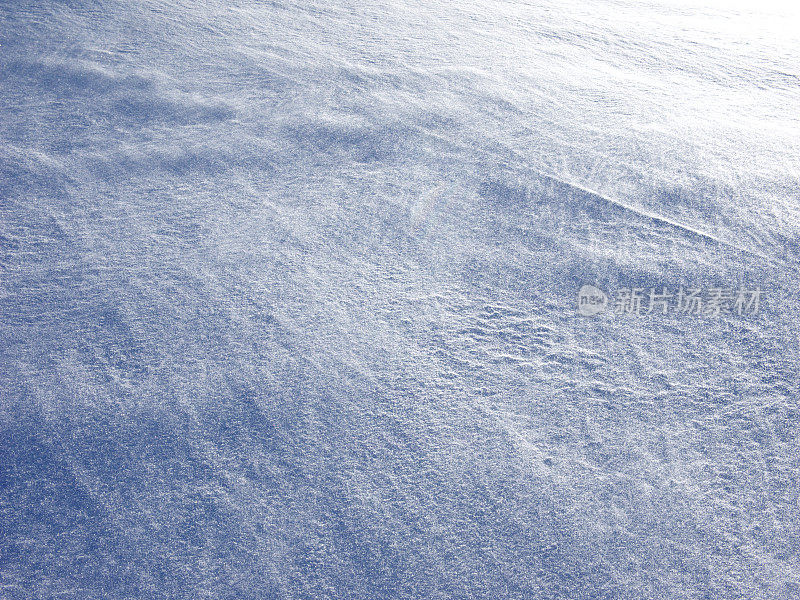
(288, 299)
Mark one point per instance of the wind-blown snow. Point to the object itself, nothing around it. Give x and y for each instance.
(288, 300)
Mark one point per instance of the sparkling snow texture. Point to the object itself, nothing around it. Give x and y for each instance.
(288, 300)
